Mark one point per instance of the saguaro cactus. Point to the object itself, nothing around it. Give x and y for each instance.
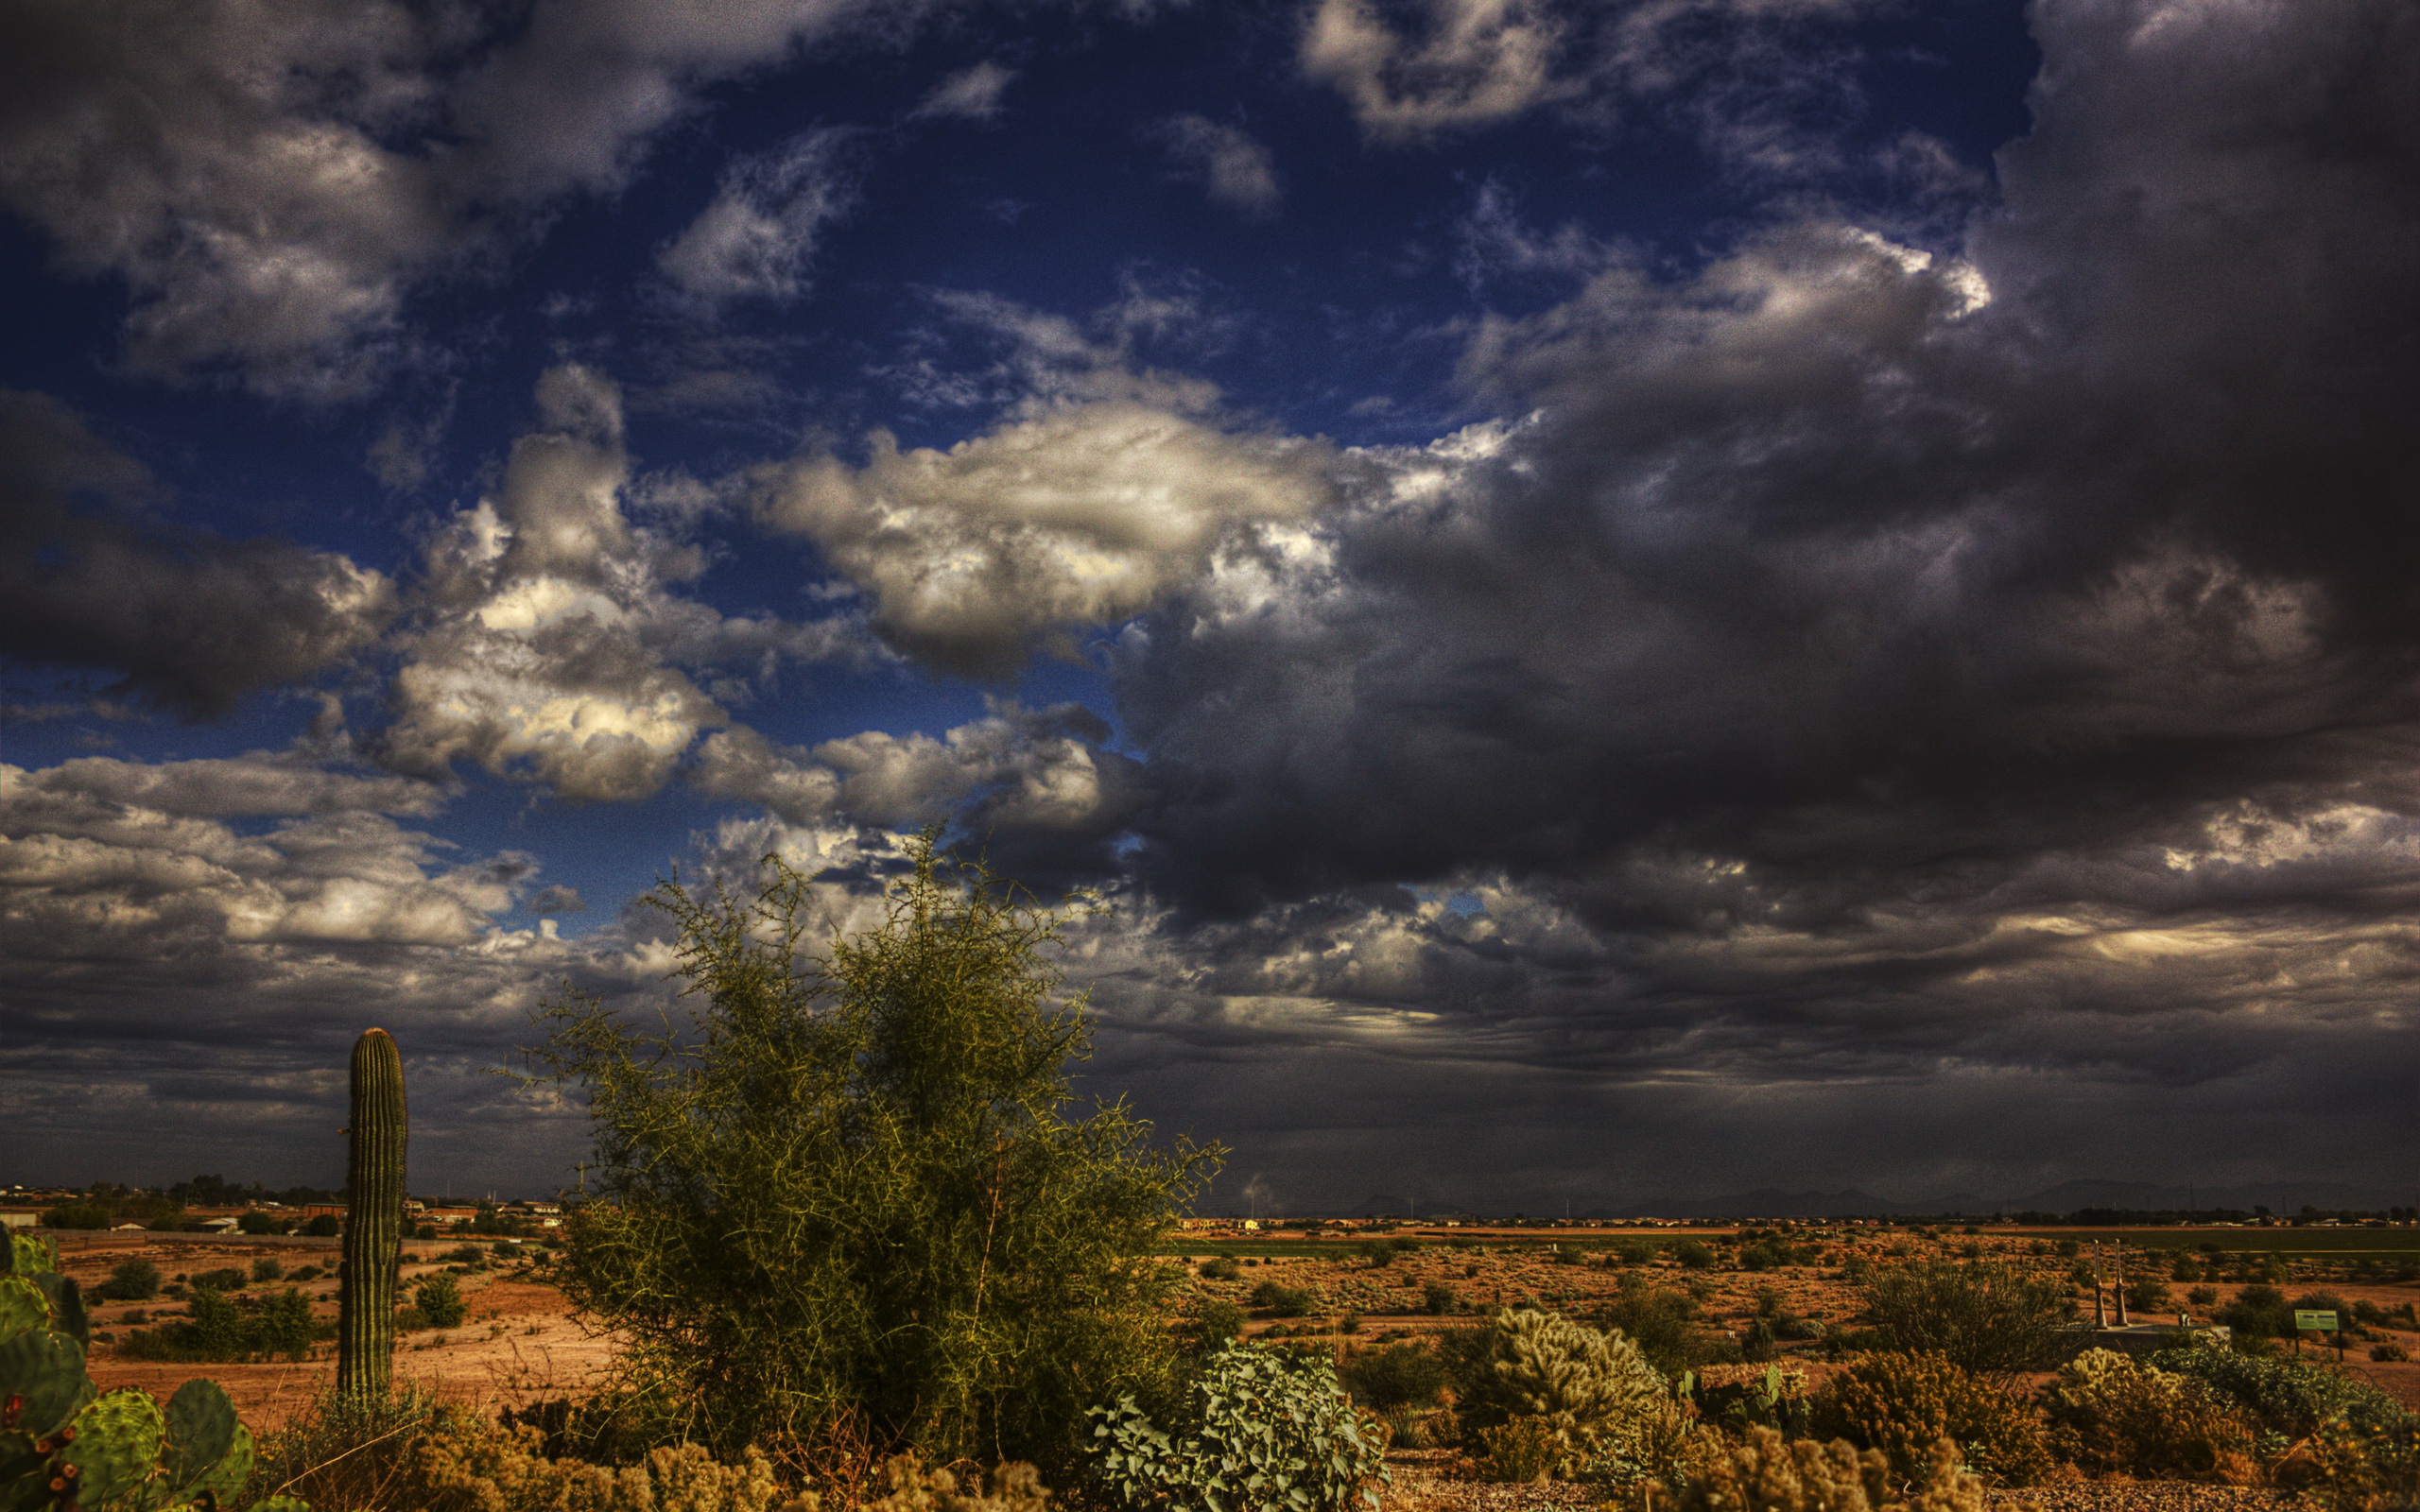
(373, 1228)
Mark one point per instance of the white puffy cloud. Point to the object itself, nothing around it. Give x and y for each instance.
(1015, 769)
(554, 646)
(1231, 165)
(1078, 514)
(757, 237)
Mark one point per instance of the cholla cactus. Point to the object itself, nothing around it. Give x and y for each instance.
(1595, 1390)
(1765, 1474)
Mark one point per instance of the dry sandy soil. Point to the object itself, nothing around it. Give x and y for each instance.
(519, 1342)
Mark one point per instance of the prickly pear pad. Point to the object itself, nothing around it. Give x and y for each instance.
(201, 1429)
(117, 1445)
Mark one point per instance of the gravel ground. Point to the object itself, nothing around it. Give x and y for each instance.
(2137, 1495)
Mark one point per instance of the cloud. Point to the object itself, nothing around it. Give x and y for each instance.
(274, 182)
(1081, 514)
(1230, 164)
(972, 94)
(554, 646)
(91, 576)
(757, 237)
(1482, 60)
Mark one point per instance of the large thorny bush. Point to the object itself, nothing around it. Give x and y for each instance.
(847, 1202)
(1766, 1474)
(1903, 1404)
(2111, 1416)
(1261, 1431)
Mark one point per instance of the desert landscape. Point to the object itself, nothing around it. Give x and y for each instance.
(521, 1340)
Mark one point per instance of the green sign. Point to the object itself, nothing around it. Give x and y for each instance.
(2324, 1322)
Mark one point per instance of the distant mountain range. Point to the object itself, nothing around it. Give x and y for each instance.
(2283, 1197)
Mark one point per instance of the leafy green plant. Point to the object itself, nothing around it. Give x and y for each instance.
(2113, 1416)
(64, 1443)
(848, 1196)
(2285, 1398)
(1992, 1320)
(1222, 1268)
(268, 1268)
(1437, 1299)
(1259, 1431)
(1766, 1474)
(439, 1298)
(1902, 1403)
(1661, 1323)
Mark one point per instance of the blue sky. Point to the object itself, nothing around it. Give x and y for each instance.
(1623, 600)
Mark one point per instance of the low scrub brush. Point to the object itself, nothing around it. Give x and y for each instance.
(1768, 1474)
(2109, 1416)
(1902, 1404)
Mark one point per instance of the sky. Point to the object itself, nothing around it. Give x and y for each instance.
(1616, 600)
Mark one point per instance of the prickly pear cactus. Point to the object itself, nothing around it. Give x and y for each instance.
(65, 1448)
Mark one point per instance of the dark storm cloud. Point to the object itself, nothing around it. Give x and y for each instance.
(1836, 556)
(1871, 683)
(91, 577)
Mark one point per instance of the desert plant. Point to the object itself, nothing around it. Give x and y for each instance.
(2374, 1470)
(1594, 1390)
(374, 1229)
(133, 1280)
(1395, 1377)
(2389, 1354)
(225, 1279)
(61, 1443)
(1661, 1323)
(322, 1225)
(849, 1188)
(439, 1299)
(267, 1268)
(2113, 1416)
(1437, 1299)
(1992, 1320)
(1902, 1403)
(1259, 1431)
(2260, 1312)
(1766, 1474)
(1692, 1255)
(1519, 1452)
(1220, 1269)
(2285, 1398)
(1280, 1301)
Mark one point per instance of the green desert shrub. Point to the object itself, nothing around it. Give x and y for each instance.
(267, 1268)
(1222, 1268)
(1661, 1323)
(2286, 1400)
(324, 1226)
(1280, 1301)
(1902, 1403)
(1693, 1255)
(1991, 1319)
(1437, 1299)
(133, 1280)
(439, 1301)
(228, 1279)
(1260, 1429)
(1519, 1452)
(2109, 1416)
(77, 1214)
(1769, 1474)
(2259, 1311)
(1398, 1376)
(854, 1193)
